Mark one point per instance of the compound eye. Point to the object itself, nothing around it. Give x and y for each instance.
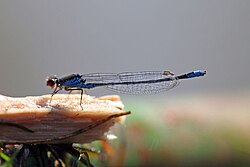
(51, 81)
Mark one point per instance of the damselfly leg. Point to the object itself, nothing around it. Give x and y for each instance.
(55, 92)
(80, 89)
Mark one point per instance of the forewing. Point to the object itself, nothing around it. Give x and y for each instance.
(135, 88)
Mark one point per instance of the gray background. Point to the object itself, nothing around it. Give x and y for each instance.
(39, 38)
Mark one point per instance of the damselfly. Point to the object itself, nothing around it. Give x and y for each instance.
(145, 82)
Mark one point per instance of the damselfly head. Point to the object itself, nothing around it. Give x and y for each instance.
(51, 81)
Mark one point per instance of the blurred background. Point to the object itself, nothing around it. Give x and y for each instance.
(202, 120)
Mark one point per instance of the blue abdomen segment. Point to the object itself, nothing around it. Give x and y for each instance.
(196, 73)
(89, 85)
(192, 74)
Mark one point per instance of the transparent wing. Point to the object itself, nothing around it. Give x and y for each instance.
(145, 88)
(135, 82)
(125, 76)
(100, 77)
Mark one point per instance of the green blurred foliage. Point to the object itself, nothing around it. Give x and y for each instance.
(195, 131)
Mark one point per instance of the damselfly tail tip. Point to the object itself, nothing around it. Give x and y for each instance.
(200, 72)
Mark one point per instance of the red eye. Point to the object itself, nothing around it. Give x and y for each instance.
(51, 81)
